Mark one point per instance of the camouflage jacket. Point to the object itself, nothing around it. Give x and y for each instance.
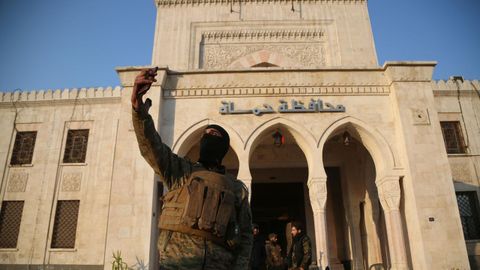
(300, 254)
(174, 172)
(274, 254)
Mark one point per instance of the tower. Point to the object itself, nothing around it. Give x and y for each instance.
(219, 34)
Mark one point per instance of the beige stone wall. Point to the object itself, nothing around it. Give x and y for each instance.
(47, 179)
(395, 102)
(324, 50)
(219, 35)
(392, 111)
(460, 101)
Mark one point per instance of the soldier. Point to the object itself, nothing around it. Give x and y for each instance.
(300, 254)
(275, 260)
(206, 220)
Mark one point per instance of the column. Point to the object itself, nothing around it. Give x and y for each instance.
(317, 188)
(244, 172)
(389, 193)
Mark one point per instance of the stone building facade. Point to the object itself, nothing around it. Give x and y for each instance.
(380, 162)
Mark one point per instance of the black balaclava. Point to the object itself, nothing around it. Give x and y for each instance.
(213, 148)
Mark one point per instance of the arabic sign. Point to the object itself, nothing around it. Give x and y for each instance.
(314, 106)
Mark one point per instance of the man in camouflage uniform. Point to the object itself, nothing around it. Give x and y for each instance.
(206, 245)
(300, 254)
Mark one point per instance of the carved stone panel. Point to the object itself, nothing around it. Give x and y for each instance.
(289, 55)
(420, 116)
(289, 44)
(318, 194)
(17, 182)
(71, 182)
(389, 193)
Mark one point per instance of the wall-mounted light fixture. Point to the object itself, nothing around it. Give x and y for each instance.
(278, 139)
(346, 138)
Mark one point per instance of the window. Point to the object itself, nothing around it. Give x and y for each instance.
(452, 135)
(10, 218)
(23, 148)
(469, 214)
(65, 225)
(76, 146)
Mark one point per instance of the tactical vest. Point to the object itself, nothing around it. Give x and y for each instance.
(204, 206)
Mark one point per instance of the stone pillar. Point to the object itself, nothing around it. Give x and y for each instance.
(244, 172)
(317, 188)
(371, 218)
(389, 193)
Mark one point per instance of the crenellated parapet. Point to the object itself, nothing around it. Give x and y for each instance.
(452, 87)
(167, 3)
(90, 95)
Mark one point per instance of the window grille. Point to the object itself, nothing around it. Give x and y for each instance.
(469, 214)
(452, 136)
(76, 146)
(65, 225)
(10, 218)
(23, 148)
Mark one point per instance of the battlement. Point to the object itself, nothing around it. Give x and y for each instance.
(450, 85)
(61, 95)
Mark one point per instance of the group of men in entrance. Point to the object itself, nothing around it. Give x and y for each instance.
(206, 222)
(268, 254)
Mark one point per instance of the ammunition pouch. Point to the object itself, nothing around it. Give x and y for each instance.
(204, 206)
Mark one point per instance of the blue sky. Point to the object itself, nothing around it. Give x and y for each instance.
(53, 44)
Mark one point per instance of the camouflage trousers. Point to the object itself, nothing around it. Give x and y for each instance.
(181, 251)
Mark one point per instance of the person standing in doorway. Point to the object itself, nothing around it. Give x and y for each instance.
(274, 253)
(257, 259)
(300, 254)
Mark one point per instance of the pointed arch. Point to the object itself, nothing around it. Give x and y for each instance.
(264, 56)
(382, 153)
(304, 138)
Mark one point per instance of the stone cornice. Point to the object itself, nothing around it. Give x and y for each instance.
(169, 3)
(344, 90)
(263, 34)
(59, 96)
(287, 69)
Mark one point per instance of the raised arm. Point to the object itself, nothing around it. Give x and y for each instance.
(173, 169)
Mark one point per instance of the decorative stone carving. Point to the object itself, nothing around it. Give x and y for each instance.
(17, 182)
(420, 117)
(299, 55)
(263, 35)
(389, 193)
(317, 189)
(71, 182)
(276, 90)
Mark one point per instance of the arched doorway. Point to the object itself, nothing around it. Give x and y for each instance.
(279, 172)
(355, 221)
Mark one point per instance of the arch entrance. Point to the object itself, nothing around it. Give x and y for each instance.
(279, 192)
(355, 220)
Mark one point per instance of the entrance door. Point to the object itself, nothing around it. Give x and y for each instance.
(274, 205)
